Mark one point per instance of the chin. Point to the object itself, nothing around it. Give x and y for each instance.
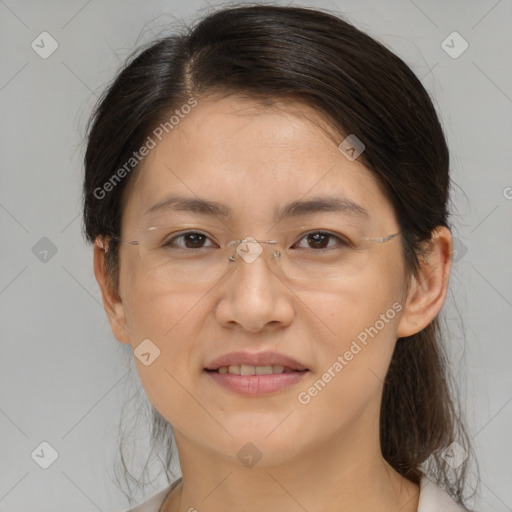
(266, 441)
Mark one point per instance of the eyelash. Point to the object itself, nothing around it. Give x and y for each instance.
(341, 240)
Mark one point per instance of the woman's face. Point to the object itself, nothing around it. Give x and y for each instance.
(256, 160)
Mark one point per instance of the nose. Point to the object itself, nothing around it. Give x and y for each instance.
(254, 296)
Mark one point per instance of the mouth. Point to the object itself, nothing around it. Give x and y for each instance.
(244, 369)
(254, 374)
(255, 384)
(255, 363)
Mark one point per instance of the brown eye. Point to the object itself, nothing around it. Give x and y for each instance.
(321, 240)
(190, 240)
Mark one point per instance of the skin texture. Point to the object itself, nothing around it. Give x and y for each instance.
(254, 158)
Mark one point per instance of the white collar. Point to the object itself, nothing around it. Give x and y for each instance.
(435, 499)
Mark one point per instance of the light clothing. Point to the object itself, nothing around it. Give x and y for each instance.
(432, 499)
(155, 502)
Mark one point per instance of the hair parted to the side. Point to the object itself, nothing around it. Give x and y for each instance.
(270, 53)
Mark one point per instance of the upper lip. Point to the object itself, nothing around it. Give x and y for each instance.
(255, 359)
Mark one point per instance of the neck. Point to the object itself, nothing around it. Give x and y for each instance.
(348, 474)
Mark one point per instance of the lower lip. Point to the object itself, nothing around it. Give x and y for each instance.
(256, 385)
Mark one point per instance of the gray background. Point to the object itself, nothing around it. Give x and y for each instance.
(63, 377)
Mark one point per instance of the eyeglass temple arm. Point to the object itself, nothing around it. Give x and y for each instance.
(131, 242)
(383, 239)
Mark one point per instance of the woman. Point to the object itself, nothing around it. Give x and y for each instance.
(267, 198)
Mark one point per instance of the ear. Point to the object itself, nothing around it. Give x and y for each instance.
(111, 300)
(428, 290)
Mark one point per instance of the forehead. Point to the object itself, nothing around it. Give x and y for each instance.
(252, 157)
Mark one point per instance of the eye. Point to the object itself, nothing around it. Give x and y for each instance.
(191, 240)
(320, 240)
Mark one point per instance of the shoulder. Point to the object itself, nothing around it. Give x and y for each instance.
(434, 499)
(154, 503)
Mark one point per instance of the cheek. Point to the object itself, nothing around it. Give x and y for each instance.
(354, 308)
(169, 319)
(154, 309)
(362, 319)
(353, 364)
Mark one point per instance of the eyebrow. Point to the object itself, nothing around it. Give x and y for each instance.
(336, 204)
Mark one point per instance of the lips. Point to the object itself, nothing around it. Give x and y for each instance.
(257, 360)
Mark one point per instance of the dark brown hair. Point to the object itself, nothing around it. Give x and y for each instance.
(361, 87)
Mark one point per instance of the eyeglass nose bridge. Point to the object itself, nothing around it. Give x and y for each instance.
(251, 255)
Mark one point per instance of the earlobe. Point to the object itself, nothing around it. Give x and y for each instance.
(111, 300)
(428, 289)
